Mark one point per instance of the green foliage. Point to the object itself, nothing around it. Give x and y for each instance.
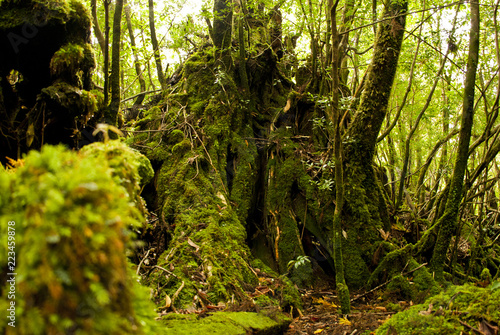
(301, 272)
(72, 222)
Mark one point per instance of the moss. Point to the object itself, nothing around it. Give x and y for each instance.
(17, 13)
(230, 323)
(176, 136)
(71, 61)
(181, 147)
(129, 166)
(205, 180)
(290, 296)
(73, 221)
(415, 286)
(441, 314)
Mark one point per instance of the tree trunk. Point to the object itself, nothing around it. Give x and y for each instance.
(106, 51)
(97, 29)
(365, 209)
(447, 223)
(335, 118)
(114, 107)
(154, 43)
(137, 65)
(222, 30)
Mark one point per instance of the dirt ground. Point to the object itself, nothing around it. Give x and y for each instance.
(321, 314)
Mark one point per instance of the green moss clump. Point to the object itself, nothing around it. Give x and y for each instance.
(129, 167)
(70, 61)
(441, 314)
(224, 323)
(72, 219)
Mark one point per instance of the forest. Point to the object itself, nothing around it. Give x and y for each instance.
(249, 167)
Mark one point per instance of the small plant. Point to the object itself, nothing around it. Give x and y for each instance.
(298, 262)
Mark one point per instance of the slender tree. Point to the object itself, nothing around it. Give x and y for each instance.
(156, 47)
(106, 51)
(114, 107)
(335, 117)
(137, 65)
(95, 24)
(447, 223)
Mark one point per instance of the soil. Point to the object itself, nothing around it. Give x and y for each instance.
(321, 314)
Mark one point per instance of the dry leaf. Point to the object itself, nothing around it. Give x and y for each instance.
(325, 303)
(317, 331)
(427, 312)
(288, 105)
(194, 245)
(222, 198)
(385, 235)
(344, 321)
(30, 135)
(168, 301)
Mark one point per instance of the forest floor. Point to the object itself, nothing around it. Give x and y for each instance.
(321, 314)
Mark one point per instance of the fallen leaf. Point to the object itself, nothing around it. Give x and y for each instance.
(168, 301)
(194, 245)
(287, 106)
(344, 321)
(427, 312)
(317, 331)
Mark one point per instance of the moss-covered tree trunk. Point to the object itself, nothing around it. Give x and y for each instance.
(365, 211)
(335, 117)
(156, 47)
(222, 30)
(111, 116)
(447, 222)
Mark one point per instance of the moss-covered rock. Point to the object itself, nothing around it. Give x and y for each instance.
(225, 323)
(447, 312)
(70, 218)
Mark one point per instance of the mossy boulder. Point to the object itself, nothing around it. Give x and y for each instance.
(71, 218)
(449, 312)
(225, 323)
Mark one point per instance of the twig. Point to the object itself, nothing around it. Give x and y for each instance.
(136, 95)
(142, 260)
(470, 327)
(177, 293)
(169, 272)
